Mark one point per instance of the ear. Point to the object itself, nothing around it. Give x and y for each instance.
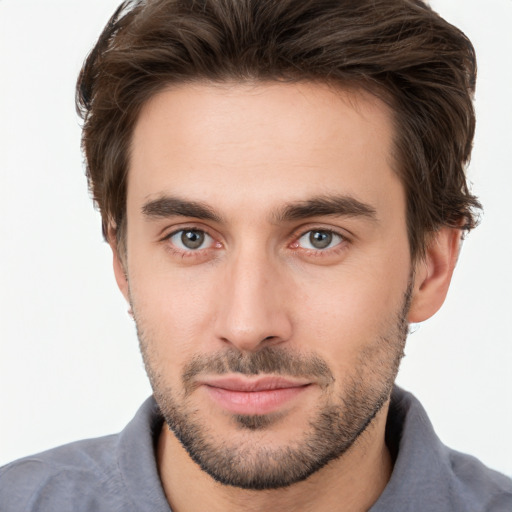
(433, 274)
(119, 264)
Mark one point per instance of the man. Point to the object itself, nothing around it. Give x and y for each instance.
(282, 187)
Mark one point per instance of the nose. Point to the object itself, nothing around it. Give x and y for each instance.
(252, 308)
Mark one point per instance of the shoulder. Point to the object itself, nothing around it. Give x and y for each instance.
(80, 476)
(431, 477)
(117, 472)
(473, 482)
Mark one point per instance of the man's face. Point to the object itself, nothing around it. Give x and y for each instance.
(268, 270)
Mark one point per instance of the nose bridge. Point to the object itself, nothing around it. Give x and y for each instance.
(252, 309)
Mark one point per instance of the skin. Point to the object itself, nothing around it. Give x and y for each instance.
(248, 152)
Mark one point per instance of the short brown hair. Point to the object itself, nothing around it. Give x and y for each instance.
(400, 50)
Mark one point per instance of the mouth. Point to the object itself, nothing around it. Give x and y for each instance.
(254, 396)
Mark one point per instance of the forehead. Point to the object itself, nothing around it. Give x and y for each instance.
(264, 142)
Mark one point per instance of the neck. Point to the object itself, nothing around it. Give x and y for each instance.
(352, 482)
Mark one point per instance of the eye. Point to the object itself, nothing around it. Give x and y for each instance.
(191, 239)
(319, 239)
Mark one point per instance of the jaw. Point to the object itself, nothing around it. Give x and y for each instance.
(356, 479)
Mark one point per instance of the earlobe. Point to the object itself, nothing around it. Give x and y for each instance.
(433, 274)
(119, 265)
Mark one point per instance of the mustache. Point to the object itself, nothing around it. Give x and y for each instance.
(268, 360)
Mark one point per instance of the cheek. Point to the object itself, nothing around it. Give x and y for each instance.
(350, 311)
(174, 310)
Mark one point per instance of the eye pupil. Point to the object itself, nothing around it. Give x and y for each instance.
(320, 239)
(192, 239)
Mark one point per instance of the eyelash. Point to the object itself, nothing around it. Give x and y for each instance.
(296, 237)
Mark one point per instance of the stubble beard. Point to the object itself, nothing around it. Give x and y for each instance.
(333, 429)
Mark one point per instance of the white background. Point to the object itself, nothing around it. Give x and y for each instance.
(69, 361)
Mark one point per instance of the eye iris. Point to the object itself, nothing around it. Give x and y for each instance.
(320, 239)
(192, 239)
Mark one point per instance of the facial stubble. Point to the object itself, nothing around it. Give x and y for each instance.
(333, 429)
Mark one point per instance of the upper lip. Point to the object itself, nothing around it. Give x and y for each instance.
(267, 383)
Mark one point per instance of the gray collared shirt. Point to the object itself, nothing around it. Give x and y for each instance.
(119, 473)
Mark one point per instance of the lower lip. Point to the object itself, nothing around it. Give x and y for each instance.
(254, 402)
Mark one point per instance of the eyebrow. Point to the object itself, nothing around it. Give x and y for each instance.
(172, 206)
(328, 205)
